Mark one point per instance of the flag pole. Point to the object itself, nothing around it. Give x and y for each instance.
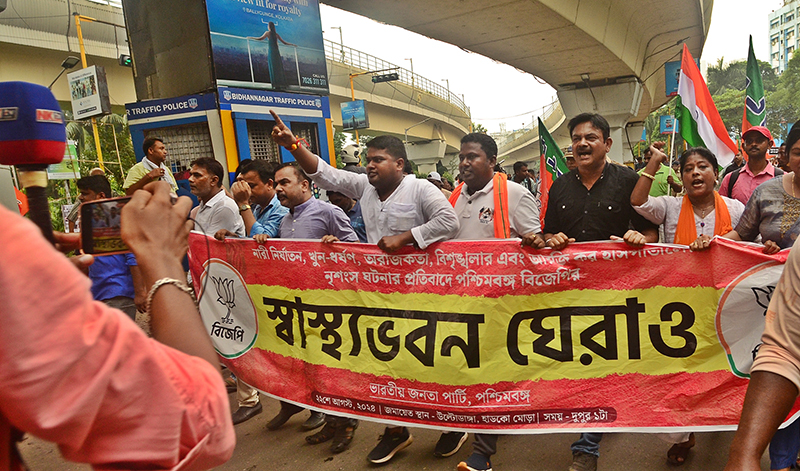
(672, 141)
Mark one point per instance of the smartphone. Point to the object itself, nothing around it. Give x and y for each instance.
(100, 226)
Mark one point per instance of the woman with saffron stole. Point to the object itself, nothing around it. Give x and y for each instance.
(695, 218)
(692, 219)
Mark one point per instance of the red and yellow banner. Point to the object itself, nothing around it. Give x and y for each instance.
(489, 336)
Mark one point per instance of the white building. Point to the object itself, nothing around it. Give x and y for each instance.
(784, 30)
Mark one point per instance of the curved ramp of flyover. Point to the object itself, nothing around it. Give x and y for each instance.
(412, 108)
(522, 145)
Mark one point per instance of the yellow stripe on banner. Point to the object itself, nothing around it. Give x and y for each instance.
(664, 345)
(229, 136)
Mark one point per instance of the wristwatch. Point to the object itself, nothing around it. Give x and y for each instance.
(244, 207)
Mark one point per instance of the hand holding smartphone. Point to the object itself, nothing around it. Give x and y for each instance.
(100, 226)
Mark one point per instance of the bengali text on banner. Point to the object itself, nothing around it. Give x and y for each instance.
(490, 336)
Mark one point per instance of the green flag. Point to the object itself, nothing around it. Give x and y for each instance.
(551, 166)
(755, 107)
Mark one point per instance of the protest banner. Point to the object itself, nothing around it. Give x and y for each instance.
(490, 336)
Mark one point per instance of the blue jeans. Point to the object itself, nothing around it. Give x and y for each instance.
(589, 443)
(784, 446)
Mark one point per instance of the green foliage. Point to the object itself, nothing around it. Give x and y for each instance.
(109, 127)
(733, 76)
(339, 138)
(784, 103)
(478, 128)
(727, 84)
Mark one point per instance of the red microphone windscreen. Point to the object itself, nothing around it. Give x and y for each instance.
(32, 130)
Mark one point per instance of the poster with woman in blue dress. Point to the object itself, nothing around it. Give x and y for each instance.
(268, 44)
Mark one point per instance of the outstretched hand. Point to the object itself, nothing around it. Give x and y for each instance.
(281, 133)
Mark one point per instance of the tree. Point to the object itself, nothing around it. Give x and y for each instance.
(478, 128)
(339, 138)
(727, 84)
(733, 76)
(783, 105)
(114, 134)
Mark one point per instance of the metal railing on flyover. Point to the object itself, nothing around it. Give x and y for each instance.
(337, 52)
(547, 111)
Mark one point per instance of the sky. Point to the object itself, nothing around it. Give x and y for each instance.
(522, 96)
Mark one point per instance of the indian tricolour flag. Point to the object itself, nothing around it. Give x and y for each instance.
(700, 123)
(551, 166)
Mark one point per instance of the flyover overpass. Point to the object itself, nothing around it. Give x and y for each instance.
(604, 56)
(426, 115)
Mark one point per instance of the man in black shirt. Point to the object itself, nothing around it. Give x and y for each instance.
(592, 202)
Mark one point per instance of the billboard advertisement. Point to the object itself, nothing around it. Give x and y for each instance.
(89, 92)
(68, 168)
(354, 115)
(672, 71)
(668, 124)
(268, 44)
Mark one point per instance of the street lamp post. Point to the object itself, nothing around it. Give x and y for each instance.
(68, 63)
(448, 88)
(341, 40)
(412, 70)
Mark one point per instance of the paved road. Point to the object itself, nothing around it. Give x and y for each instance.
(286, 450)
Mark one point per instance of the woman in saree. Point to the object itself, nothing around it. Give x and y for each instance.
(773, 210)
(699, 215)
(693, 220)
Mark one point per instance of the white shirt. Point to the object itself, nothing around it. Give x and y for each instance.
(667, 209)
(220, 212)
(414, 205)
(476, 212)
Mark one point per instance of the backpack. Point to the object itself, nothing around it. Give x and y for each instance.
(735, 176)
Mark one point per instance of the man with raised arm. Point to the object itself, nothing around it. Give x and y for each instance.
(398, 210)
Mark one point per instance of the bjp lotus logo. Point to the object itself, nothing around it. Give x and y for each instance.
(227, 310)
(741, 312)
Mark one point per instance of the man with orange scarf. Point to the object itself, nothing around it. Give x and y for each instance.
(489, 206)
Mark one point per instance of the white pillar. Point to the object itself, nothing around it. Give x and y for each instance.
(426, 154)
(617, 103)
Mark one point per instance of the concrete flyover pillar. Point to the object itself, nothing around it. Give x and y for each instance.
(426, 154)
(617, 102)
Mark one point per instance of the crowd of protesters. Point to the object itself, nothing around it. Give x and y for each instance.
(753, 199)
